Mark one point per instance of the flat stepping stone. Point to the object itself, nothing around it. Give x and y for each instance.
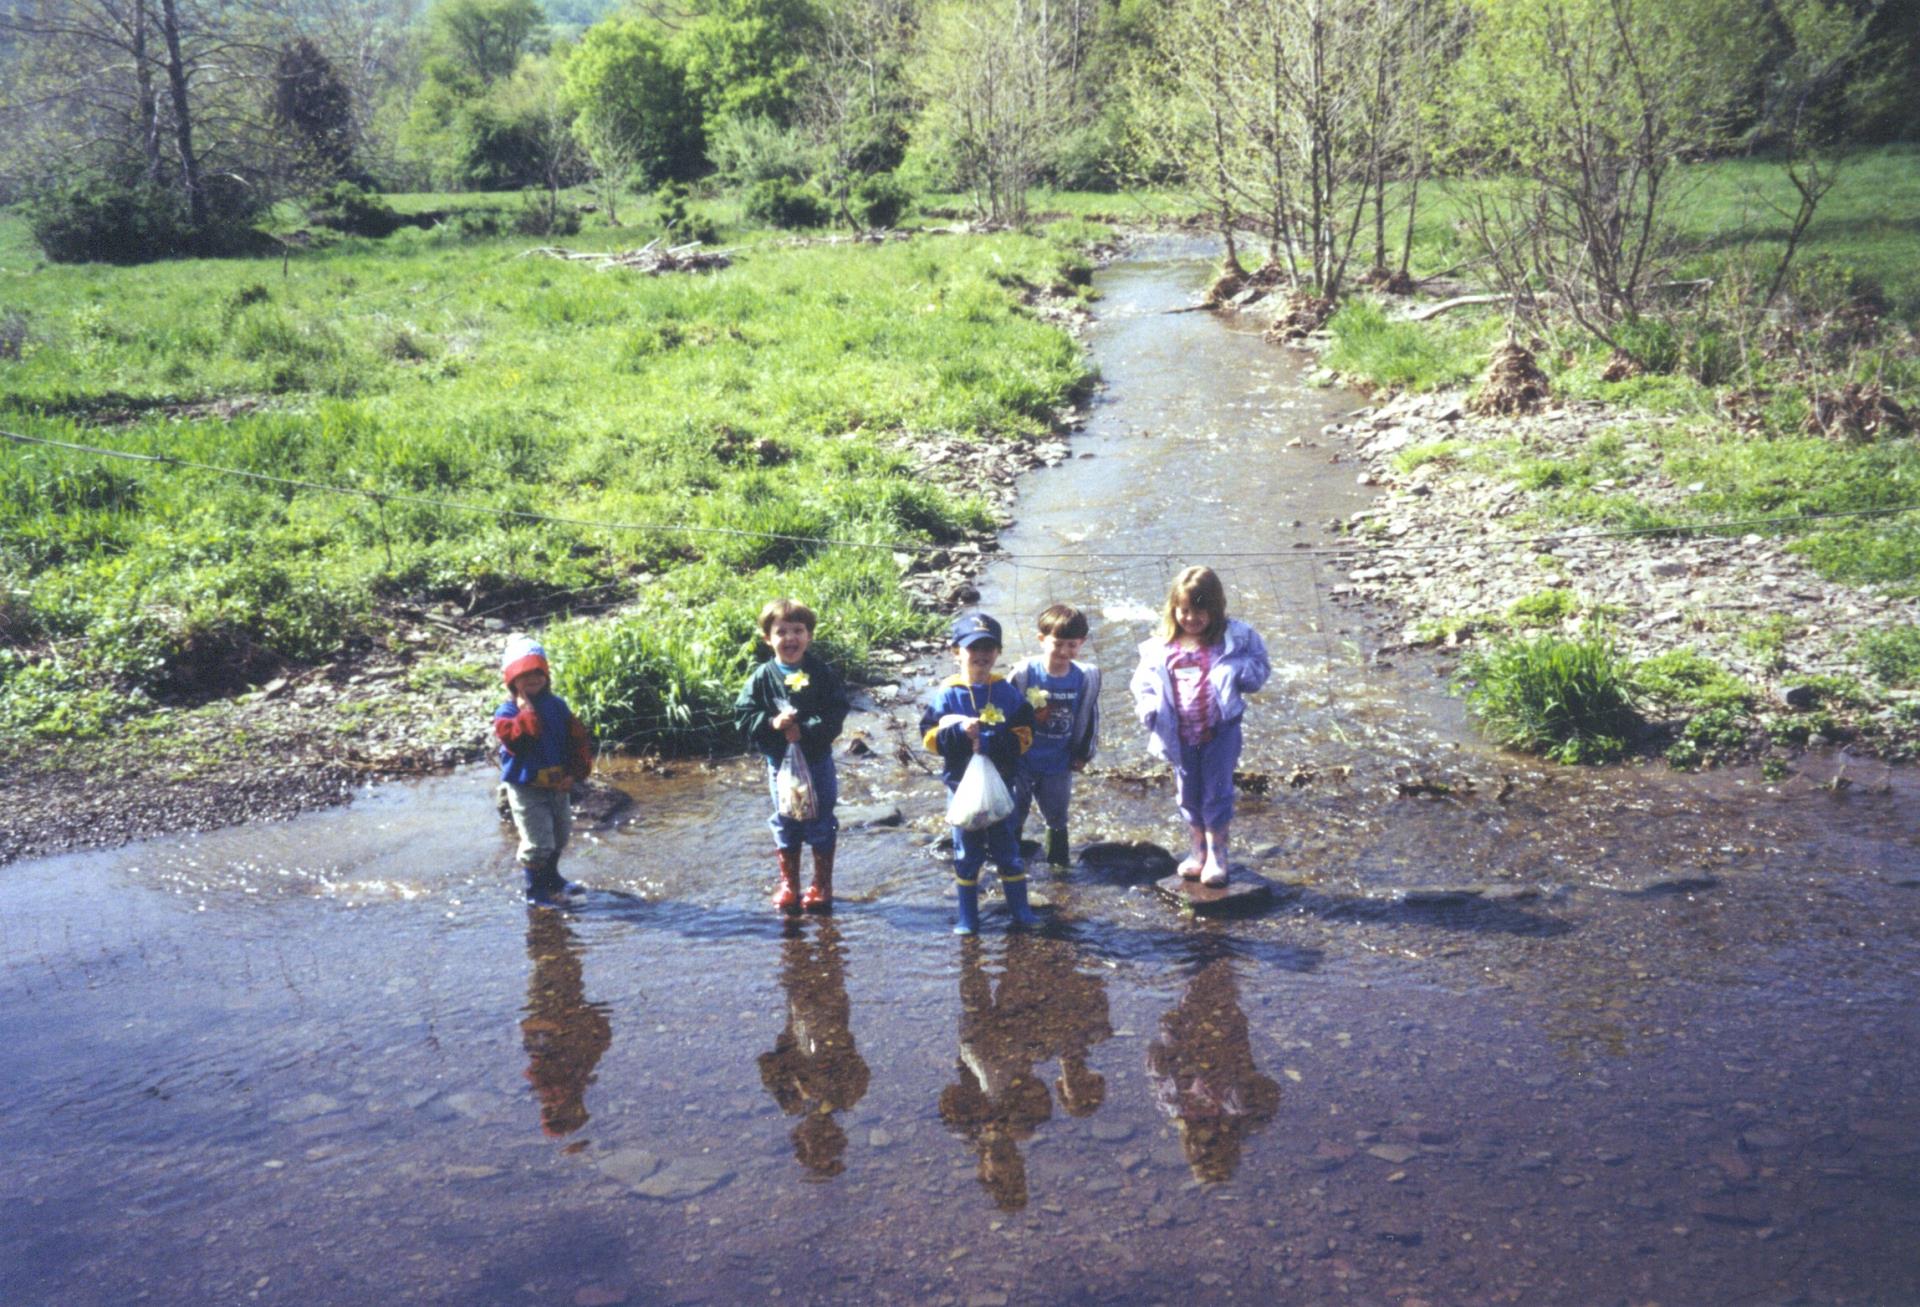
(1129, 858)
(1244, 892)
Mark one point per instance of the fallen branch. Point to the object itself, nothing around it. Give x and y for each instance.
(1457, 302)
(649, 258)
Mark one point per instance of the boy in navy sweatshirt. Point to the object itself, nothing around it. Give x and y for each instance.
(976, 711)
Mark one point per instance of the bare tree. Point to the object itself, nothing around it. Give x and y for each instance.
(1282, 117)
(856, 105)
(613, 152)
(1577, 114)
(994, 75)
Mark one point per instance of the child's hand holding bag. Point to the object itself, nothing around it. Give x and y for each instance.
(981, 797)
(799, 801)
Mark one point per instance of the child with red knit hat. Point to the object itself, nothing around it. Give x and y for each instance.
(544, 749)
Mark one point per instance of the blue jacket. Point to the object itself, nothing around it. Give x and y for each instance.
(1003, 742)
(548, 748)
(1239, 668)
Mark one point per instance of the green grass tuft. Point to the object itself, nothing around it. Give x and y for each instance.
(1568, 698)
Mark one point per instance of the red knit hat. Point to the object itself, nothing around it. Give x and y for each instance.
(524, 654)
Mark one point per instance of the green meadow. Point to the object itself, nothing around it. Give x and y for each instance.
(705, 441)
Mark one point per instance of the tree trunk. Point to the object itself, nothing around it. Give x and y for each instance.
(148, 104)
(182, 114)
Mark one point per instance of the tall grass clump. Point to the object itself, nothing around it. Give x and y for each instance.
(1565, 697)
(1368, 346)
(663, 673)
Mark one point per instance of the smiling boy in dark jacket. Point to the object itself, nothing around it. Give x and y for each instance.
(795, 697)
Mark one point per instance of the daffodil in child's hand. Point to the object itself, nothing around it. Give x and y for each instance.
(991, 716)
(798, 680)
(1037, 697)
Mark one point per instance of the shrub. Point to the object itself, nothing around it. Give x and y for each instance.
(752, 148)
(681, 223)
(110, 219)
(100, 220)
(879, 200)
(1893, 656)
(1566, 698)
(354, 210)
(538, 216)
(786, 204)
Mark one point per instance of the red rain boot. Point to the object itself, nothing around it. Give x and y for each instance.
(819, 896)
(787, 897)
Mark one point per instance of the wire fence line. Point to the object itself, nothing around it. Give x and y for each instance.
(1060, 563)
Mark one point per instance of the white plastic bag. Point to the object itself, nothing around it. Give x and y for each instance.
(981, 798)
(799, 801)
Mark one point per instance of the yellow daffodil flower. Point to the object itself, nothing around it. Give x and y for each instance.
(991, 716)
(798, 680)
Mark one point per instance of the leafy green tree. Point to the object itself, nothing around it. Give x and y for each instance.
(624, 80)
(484, 38)
(747, 57)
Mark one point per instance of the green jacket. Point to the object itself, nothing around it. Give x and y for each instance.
(821, 702)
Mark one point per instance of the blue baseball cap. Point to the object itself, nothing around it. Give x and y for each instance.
(972, 628)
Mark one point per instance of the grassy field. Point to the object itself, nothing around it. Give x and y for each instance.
(457, 386)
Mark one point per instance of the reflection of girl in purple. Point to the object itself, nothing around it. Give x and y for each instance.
(1188, 691)
(1204, 1076)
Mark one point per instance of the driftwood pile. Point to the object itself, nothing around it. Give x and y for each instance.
(649, 258)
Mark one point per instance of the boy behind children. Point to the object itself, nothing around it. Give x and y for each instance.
(976, 711)
(544, 749)
(1065, 695)
(796, 698)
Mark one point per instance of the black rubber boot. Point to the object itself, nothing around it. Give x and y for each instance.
(1058, 854)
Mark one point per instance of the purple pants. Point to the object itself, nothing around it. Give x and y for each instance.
(1203, 777)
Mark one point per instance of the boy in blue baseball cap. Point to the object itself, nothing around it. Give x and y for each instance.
(977, 711)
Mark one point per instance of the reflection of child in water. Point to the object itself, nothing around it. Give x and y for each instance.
(563, 1033)
(813, 1069)
(1044, 1008)
(1204, 1076)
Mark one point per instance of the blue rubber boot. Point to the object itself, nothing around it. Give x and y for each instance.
(1018, 913)
(967, 894)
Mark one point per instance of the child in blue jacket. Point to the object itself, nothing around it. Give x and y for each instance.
(976, 711)
(544, 749)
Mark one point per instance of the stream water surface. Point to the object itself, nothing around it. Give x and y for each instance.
(1506, 1034)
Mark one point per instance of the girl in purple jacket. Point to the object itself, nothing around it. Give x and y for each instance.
(1189, 692)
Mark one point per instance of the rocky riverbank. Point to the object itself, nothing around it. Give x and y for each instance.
(1461, 551)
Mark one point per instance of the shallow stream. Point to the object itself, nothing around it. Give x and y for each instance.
(1508, 1033)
